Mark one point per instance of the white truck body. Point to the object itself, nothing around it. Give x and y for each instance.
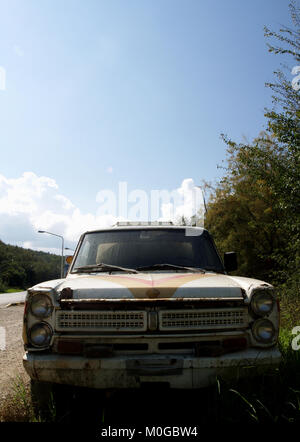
(116, 329)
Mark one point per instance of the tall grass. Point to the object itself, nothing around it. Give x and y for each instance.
(273, 397)
(16, 405)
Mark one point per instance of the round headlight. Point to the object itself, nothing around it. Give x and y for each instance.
(41, 306)
(263, 330)
(262, 302)
(40, 334)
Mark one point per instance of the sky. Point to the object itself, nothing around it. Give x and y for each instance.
(96, 93)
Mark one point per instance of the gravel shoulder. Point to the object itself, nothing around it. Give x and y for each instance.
(11, 365)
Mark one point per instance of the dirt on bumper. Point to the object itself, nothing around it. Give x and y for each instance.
(133, 371)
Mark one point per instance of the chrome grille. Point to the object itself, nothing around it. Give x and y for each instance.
(202, 319)
(101, 321)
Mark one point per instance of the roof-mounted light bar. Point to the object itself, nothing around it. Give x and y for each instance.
(144, 223)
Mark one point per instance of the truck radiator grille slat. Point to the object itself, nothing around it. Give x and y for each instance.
(101, 321)
(204, 319)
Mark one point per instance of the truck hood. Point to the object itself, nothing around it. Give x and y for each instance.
(154, 285)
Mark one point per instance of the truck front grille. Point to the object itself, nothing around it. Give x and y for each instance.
(101, 321)
(202, 319)
(182, 320)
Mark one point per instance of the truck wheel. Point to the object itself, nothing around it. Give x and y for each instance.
(42, 399)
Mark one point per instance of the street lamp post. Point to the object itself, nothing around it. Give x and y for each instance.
(62, 250)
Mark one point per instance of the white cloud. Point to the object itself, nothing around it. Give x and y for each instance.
(23, 195)
(67, 204)
(31, 203)
(187, 201)
(30, 245)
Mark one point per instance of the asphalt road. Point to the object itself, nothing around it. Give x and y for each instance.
(9, 298)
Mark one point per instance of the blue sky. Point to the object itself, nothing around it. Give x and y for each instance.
(99, 92)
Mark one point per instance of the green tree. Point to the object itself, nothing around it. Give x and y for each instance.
(255, 207)
(284, 125)
(242, 208)
(23, 268)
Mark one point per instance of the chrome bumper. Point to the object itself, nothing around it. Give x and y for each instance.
(131, 371)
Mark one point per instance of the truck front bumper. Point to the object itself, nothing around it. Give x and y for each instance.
(132, 371)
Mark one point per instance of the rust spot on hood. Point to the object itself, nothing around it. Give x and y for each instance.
(152, 293)
(67, 293)
(134, 303)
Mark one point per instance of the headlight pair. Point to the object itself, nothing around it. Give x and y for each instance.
(261, 305)
(41, 332)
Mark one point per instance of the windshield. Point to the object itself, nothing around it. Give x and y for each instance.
(139, 248)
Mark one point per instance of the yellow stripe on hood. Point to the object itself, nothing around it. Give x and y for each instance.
(155, 286)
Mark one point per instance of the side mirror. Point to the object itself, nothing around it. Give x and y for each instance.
(230, 261)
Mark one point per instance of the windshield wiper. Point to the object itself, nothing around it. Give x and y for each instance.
(102, 267)
(171, 267)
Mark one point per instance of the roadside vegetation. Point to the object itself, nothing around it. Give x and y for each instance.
(254, 209)
(11, 290)
(22, 268)
(16, 406)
